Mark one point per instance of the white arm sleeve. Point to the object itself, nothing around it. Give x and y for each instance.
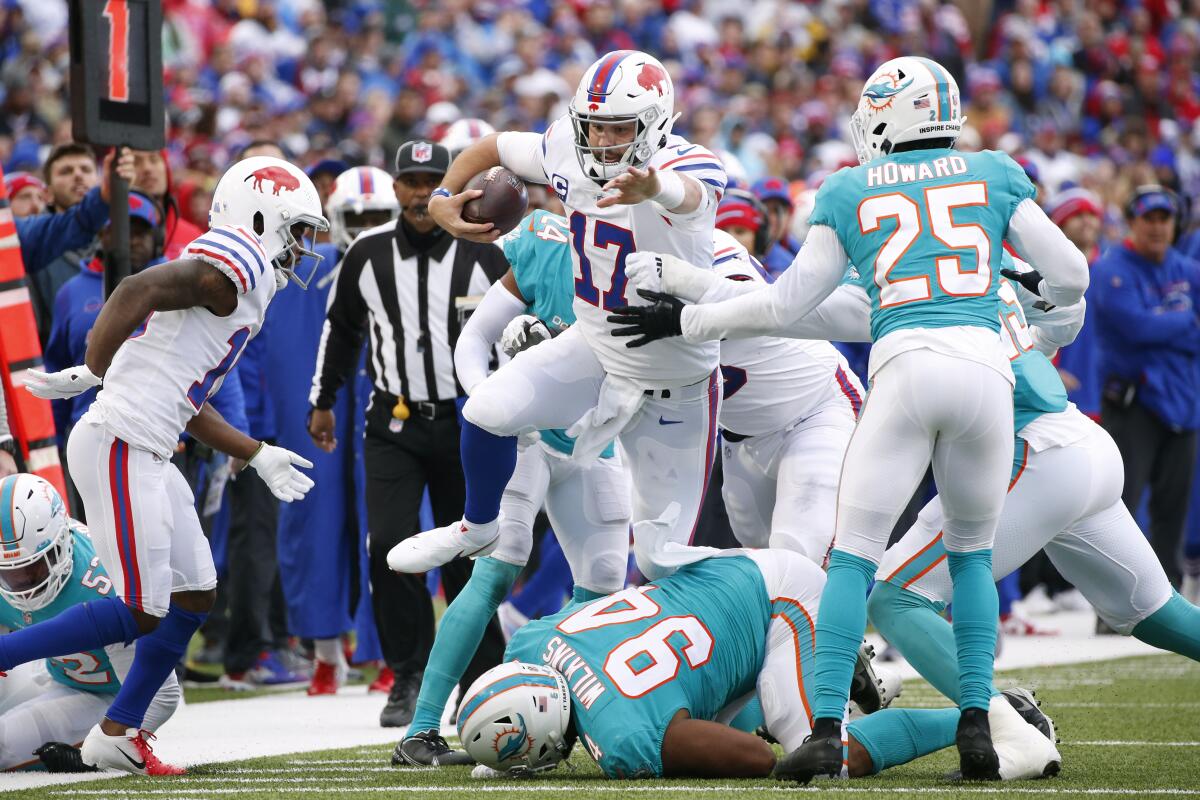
(474, 348)
(844, 316)
(1040, 242)
(815, 273)
(1051, 329)
(522, 153)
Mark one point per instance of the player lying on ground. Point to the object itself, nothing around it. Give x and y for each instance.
(203, 308)
(49, 566)
(926, 225)
(625, 182)
(588, 505)
(645, 679)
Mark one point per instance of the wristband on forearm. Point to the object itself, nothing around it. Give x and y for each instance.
(671, 190)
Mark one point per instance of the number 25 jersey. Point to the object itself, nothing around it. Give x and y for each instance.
(694, 640)
(161, 377)
(925, 229)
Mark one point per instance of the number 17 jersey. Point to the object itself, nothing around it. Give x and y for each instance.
(695, 640)
(925, 229)
(161, 377)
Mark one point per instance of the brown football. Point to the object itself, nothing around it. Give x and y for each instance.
(503, 200)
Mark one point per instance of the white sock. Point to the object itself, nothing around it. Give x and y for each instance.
(328, 650)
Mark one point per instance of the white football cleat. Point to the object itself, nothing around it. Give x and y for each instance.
(130, 752)
(1023, 750)
(430, 549)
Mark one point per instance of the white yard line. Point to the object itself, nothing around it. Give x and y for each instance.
(525, 787)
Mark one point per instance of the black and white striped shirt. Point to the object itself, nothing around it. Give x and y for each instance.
(403, 294)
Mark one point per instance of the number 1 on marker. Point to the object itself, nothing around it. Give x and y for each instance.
(117, 13)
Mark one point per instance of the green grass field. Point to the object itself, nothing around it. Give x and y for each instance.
(1129, 728)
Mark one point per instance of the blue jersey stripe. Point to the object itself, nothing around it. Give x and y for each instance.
(218, 246)
(253, 253)
(694, 167)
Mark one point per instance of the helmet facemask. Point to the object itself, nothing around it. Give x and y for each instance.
(635, 153)
(32, 583)
(292, 233)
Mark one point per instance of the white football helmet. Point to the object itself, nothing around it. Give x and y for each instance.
(35, 542)
(623, 86)
(463, 133)
(277, 201)
(906, 99)
(362, 198)
(514, 718)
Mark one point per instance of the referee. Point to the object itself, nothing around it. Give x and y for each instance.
(398, 283)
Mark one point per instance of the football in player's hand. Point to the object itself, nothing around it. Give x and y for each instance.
(503, 200)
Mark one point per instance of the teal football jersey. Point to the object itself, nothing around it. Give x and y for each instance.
(90, 671)
(1038, 389)
(925, 229)
(695, 640)
(539, 252)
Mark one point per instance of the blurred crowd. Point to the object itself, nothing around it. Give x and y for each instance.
(1092, 99)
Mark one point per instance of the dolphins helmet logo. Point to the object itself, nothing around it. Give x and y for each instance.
(512, 742)
(882, 94)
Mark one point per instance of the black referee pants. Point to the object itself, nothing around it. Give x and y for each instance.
(1162, 458)
(399, 465)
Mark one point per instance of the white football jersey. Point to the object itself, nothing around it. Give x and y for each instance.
(771, 382)
(602, 238)
(161, 377)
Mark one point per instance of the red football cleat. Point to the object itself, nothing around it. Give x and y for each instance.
(154, 766)
(384, 682)
(324, 679)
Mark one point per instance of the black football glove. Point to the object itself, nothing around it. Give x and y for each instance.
(60, 757)
(653, 322)
(1030, 280)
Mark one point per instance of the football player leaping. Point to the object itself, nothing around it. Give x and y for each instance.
(202, 310)
(926, 227)
(626, 184)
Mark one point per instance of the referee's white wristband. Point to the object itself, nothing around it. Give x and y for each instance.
(671, 190)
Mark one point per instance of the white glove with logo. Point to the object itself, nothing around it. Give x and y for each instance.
(522, 333)
(644, 270)
(274, 466)
(60, 385)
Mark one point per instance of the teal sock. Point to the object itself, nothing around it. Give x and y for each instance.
(458, 637)
(895, 736)
(976, 619)
(841, 620)
(915, 627)
(1174, 627)
(750, 717)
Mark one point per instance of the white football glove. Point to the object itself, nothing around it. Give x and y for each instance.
(522, 333)
(644, 270)
(274, 466)
(60, 385)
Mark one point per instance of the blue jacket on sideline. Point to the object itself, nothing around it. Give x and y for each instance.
(1148, 330)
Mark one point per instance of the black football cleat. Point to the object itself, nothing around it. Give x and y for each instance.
(976, 757)
(1026, 704)
(821, 754)
(428, 748)
(866, 690)
(62, 757)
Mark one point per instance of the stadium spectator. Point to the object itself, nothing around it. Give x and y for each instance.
(1146, 296)
(26, 194)
(153, 177)
(1078, 212)
(8, 445)
(775, 195)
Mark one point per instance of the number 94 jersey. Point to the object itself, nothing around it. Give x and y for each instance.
(161, 377)
(925, 229)
(93, 670)
(694, 641)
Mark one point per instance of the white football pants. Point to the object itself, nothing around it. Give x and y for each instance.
(1068, 501)
(669, 445)
(588, 508)
(925, 406)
